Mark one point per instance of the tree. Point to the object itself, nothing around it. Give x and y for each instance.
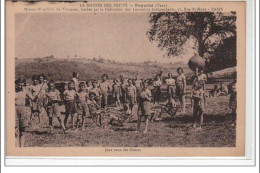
(208, 30)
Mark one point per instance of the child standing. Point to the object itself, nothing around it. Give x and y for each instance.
(138, 84)
(233, 99)
(82, 97)
(145, 106)
(88, 86)
(96, 90)
(130, 96)
(157, 83)
(117, 92)
(170, 86)
(70, 106)
(52, 107)
(198, 103)
(75, 77)
(36, 106)
(181, 88)
(21, 117)
(105, 88)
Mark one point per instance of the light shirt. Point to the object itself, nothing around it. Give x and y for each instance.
(76, 83)
(130, 90)
(20, 97)
(53, 94)
(105, 86)
(69, 94)
(138, 83)
(170, 81)
(97, 91)
(180, 79)
(145, 94)
(82, 96)
(157, 83)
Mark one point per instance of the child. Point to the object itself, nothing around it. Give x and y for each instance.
(223, 90)
(44, 87)
(130, 96)
(181, 88)
(144, 106)
(75, 77)
(94, 108)
(98, 94)
(233, 99)
(214, 91)
(105, 88)
(170, 85)
(202, 78)
(52, 107)
(170, 107)
(198, 103)
(123, 90)
(88, 85)
(70, 107)
(117, 92)
(21, 117)
(138, 84)
(82, 97)
(36, 106)
(157, 83)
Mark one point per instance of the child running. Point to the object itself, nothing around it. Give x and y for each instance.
(117, 92)
(70, 106)
(145, 106)
(52, 107)
(83, 111)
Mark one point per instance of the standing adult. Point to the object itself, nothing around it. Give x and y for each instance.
(181, 88)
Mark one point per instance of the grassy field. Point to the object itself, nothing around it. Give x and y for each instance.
(216, 131)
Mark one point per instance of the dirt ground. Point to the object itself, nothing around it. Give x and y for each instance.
(169, 132)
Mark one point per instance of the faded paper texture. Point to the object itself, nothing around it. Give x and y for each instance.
(140, 47)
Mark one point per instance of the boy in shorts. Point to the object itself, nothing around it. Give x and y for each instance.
(21, 117)
(52, 107)
(82, 107)
(144, 106)
(130, 96)
(98, 94)
(70, 106)
(105, 88)
(197, 95)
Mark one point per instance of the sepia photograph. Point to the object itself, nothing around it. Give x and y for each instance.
(117, 79)
(159, 79)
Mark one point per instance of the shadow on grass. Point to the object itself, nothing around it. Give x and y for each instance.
(39, 133)
(124, 129)
(218, 118)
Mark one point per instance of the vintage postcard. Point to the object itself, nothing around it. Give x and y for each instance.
(152, 79)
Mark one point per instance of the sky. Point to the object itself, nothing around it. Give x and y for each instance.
(115, 36)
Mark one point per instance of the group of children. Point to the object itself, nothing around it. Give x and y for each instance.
(90, 98)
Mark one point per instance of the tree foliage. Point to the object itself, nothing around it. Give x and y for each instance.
(209, 30)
